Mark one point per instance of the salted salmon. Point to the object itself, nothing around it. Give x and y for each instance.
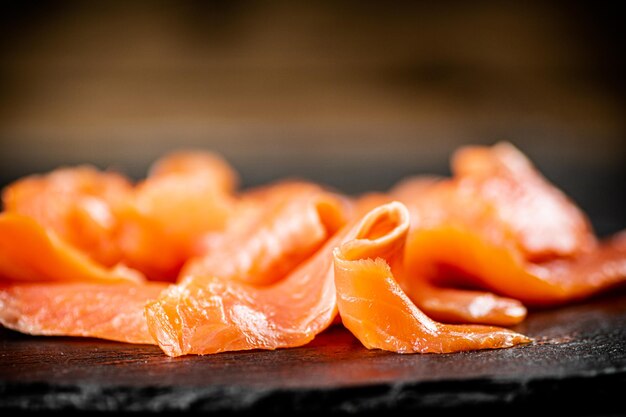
(271, 267)
(106, 311)
(448, 305)
(545, 222)
(30, 253)
(286, 223)
(205, 313)
(187, 195)
(460, 305)
(77, 204)
(376, 310)
(499, 225)
(462, 256)
(101, 213)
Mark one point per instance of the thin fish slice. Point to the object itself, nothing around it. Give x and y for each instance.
(28, 252)
(105, 311)
(207, 314)
(499, 225)
(461, 255)
(376, 310)
(264, 247)
(438, 203)
(187, 195)
(545, 222)
(77, 203)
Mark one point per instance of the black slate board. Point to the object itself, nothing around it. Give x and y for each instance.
(576, 365)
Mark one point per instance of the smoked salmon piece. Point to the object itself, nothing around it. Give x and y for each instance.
(456, 305)
(448, 305)
(499, 225)
(287, 225)
(28, 252)
(106, 311)
(78, 204)
(376, 310)
(194, 162)
(206, 314)
(545, 222)
(460, 255)
(187, 195)
(273, 266)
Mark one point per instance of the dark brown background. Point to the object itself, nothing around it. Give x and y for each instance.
(354, 94)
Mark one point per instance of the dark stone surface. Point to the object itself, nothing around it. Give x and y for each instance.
(576, 365)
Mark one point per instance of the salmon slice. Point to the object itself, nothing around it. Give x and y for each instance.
(187, 195)
(429, 199)
(376, 310)
(500, 194)
(265, 246)
(192, 162)
(206, 314)
(463, 256)
(106, 311)
(77, 203)
(28, 252)
(545, 222)
(499, 225)
(453, 305)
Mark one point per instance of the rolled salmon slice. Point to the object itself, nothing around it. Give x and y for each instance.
(376, 310)
(429, 201)
(28, 252)
(106, 311)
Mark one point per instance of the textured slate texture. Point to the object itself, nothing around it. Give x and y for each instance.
(577, 365)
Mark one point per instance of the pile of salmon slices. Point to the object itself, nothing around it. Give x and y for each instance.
(186, 260)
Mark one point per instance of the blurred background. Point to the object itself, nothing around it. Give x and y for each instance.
(353, 94)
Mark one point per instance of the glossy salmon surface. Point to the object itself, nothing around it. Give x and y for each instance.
(78, 204)
(106, 311)
(498, 225)
(375, 308)
(29, 252)
(284, 225)
(186, 260)
(206, 313)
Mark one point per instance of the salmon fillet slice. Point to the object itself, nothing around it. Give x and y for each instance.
(206, 314)
(76, 203)
(376, 310)
(28, 252)
(106, 311)
(449, 305)
(461, 255)
(284, 226)
(457, 305)
(186, 195)
(544, 221)
(499, 225)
